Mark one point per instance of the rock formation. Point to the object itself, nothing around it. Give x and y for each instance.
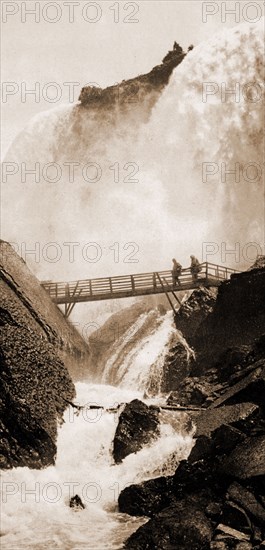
(36, 387)
(216, 499)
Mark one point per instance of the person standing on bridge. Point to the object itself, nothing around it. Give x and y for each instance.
(176, 272)
(195, 268)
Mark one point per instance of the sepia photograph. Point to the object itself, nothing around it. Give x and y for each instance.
(132, 275)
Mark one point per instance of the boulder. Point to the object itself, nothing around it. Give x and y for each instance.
(211, 419)
(247, 460)
(192, 392)
(244, 546)
(248, 501)
(218, 545)
(138, 425)
(234, 516)
(226, 532)
(182, 526)
(194, 311)
(76, 503)
(226, 438)
(147, 498)
(252, 385)
(177, 366)
(213, 510)
(203, 448)
(197, 478)
(232, 361)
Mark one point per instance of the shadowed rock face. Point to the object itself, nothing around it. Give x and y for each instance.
(224, 476)
(146, 499)
(34, 382)
(34, 385)
(182, 526)
(138, 425)
(238, 317)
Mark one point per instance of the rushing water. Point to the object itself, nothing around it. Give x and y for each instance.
(174, 214)
(36, 513)
(169, 207)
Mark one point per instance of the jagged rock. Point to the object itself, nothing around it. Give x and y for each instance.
(234, 516)
(132, 94)
(138, 425)
(218, 545)
(259, 263)
(228, 532)
(211, 419)
(242, 298)
(146, 499)
(203, 448)
(233, 361)
(244, 546)
(248, 501)
(76, 503)
(177, 366)
(182, 526)
(226, 438)
(257, 535)
(247, 460)
(253, 385)
(190, 392)
(213, 510)
(197, 478)
(194, 311)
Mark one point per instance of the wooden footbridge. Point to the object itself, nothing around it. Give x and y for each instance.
(139, 284)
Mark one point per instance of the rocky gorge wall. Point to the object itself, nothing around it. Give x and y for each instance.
(36, 345)
(216, 498)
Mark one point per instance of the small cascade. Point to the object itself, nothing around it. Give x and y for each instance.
(38, 500)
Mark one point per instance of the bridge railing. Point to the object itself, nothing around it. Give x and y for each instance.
(62, 292)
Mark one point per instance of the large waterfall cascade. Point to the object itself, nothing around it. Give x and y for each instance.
(178, 212)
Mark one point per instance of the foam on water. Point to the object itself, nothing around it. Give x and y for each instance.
(84, 466)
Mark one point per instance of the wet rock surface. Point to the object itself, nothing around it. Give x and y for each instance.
(223, 479)
(194, 311)
(34, 382)
(138, 425)
(182, 526)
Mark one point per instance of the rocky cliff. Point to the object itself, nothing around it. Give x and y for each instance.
(134, 93)
(216, 499)
(36, 342)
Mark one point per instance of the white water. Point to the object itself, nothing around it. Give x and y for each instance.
(170, 211)
(177, 212)
(84, 466)
(138, 356)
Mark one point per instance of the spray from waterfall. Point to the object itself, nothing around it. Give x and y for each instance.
(165, 208)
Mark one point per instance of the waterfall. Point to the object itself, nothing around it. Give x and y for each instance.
(35, 511)
(178, 210)
(166, 210)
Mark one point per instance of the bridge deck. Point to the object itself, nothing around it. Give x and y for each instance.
(139, 284)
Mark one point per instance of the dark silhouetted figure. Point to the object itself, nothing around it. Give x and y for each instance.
(195, 268)
(176, 272)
